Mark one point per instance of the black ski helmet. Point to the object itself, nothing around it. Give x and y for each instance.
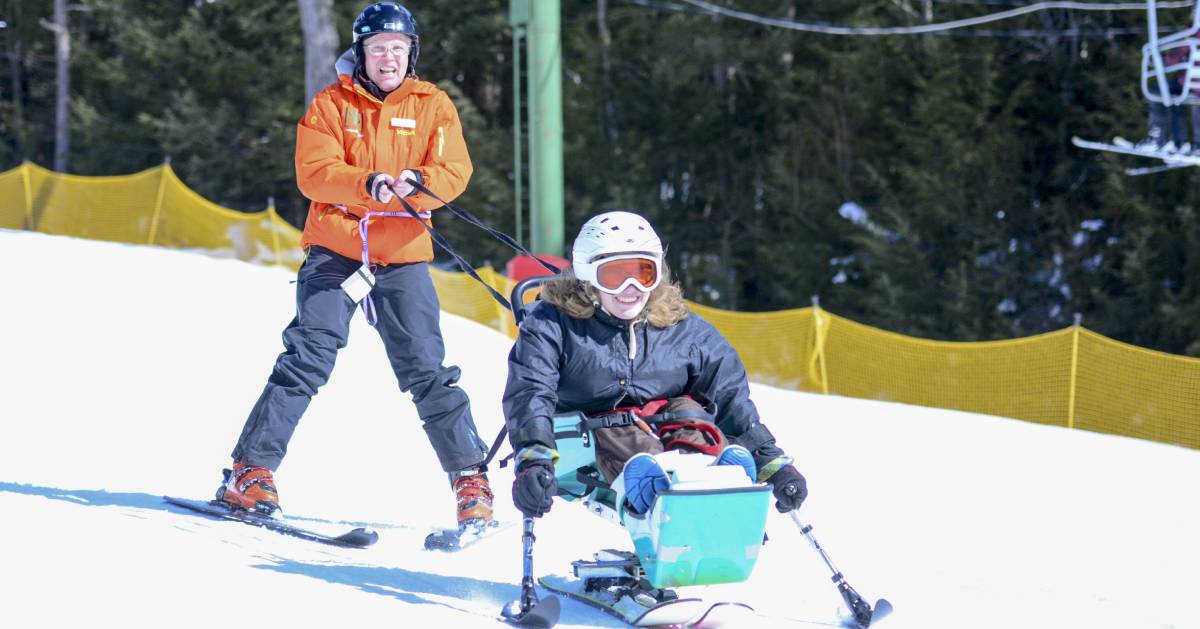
(386, 17)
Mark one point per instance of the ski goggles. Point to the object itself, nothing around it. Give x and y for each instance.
(613, 274)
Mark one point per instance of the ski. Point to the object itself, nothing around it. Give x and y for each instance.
(454, 540)
(356, 538)
(724, 614)
(642, 610)
(1150, 170)
(881, 610)
(1176, 160)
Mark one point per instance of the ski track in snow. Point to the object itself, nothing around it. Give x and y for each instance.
(128, 372)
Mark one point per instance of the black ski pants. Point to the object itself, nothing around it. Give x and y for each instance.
(408, 312)
(1173, 123)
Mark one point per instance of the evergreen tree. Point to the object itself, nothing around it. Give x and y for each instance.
(922, 184)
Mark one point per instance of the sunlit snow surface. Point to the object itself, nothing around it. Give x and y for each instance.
(127, 372)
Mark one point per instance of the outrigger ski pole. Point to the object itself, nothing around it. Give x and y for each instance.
(529, 611)
(864, 615)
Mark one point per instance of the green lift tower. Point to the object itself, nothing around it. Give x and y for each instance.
(537, 22)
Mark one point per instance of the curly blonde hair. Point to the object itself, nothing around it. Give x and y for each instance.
(580, 300)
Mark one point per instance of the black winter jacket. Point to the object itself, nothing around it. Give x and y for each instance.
(562, 364)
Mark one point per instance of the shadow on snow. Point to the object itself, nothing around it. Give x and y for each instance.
(101, 498)
(93, 497)
(404, 585)
(412, 587)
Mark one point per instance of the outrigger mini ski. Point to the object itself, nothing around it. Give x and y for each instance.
(356, 538)
(529, 610)
(862, 614)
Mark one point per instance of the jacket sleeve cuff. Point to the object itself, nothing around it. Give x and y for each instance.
(537, 452)
(761, 443)
(533, 433)
(364, 188)
(766, 471)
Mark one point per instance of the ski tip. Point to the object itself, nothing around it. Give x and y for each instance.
(542, 615)
(881, 610)
(359, 537)
(447, 540)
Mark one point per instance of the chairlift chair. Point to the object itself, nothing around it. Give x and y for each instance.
(1182, 48)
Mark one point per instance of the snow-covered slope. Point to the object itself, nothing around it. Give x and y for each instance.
(127, 372)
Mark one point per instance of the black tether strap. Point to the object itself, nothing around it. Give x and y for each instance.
(469, 270)
(470, 218)
(462, 264)
(496, 448)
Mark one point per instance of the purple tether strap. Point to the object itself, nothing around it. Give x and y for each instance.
(368, 305)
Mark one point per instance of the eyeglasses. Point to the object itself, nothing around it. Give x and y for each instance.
(398, 50)
(614, 274)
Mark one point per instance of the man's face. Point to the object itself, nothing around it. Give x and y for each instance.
(386, 59)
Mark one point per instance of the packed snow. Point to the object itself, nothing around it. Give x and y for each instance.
(127, 372)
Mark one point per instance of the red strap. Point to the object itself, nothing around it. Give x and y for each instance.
(650, 408)
(709, 430)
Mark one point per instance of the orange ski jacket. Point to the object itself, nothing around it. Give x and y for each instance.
(346, 135)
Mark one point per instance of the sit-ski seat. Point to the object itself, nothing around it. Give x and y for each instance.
(707, 528)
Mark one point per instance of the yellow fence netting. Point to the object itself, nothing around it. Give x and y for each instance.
(1072, 378)
(152, 207)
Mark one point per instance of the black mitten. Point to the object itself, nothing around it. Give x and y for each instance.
(534, 488)
(789, 487)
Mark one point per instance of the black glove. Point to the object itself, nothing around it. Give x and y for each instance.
(534, 488)
(790, 489)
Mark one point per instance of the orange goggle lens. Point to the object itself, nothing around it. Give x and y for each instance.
(613, 274)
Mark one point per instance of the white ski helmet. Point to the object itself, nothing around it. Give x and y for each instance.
(616, 249)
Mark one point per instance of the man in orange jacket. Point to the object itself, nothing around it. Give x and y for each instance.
(359, 144)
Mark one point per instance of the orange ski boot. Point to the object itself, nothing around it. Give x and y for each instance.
(474, 497)
(250, 487)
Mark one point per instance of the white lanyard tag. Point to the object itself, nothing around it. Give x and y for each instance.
(359, 284)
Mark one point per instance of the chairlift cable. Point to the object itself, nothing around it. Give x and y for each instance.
(712, 9)
(1104, 33)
